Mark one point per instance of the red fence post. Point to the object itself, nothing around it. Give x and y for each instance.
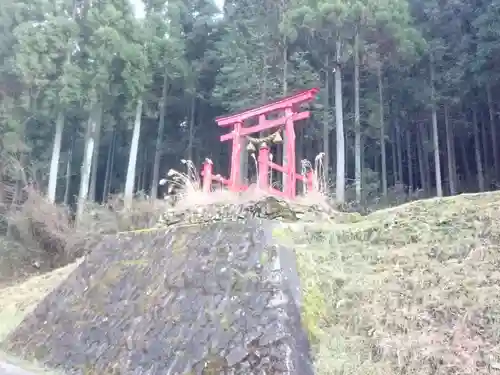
(263, 166)
(207, 176)
(310, 181)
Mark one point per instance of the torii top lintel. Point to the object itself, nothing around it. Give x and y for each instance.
(283, 103)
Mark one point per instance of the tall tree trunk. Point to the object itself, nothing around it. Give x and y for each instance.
(449, 153)
(54, 162)
(424, 140)
(138, 173)
(190, 155)
(383, 154)
(494, 144)
(409, 162)
(21, 181)
(159, 138)
(69, 162)
(326, 120)
(465, 162)
(132, 161)
(191, 126)
(421, 163)
(454, 161)
(477, 150)
(357, 122)
(362, 162)
(484, 140)
(109, 166)
(395, 175)
(399, 150)
(435, 134)
(340, 141)
(56, 147)
(144, 170)
(94, 119)
(95, 163)
(332, 144)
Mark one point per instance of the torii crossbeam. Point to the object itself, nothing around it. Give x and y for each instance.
(288, 110)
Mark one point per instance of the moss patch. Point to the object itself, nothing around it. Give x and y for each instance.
(313, 308)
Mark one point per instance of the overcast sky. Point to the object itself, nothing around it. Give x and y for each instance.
(139, 6)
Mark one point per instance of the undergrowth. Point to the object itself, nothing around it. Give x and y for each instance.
(43, 236)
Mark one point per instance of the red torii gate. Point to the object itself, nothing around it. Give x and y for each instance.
(290, 112)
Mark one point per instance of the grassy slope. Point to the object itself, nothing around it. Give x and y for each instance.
(409, 290)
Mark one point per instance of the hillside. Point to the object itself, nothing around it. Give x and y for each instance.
(408, 290)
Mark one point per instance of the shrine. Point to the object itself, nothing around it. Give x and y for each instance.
(278, 116)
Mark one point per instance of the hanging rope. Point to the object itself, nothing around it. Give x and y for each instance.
(272, 138)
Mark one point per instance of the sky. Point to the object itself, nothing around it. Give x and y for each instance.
(139, 6)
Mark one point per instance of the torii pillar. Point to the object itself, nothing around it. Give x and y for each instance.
(289, 108)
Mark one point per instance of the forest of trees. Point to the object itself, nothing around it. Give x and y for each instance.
(91, 93)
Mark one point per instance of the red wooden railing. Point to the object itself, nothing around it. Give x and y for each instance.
(265, 167)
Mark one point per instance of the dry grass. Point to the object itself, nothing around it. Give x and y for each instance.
(18, 300)
(44, 236)
(408, 290)
(187, 187)
(41, 227)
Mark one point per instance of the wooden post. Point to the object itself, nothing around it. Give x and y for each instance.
(264, 167)
(290, 154)
(207, 176)
(235, 179)
(310, 181)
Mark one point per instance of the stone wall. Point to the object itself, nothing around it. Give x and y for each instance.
(220, 298)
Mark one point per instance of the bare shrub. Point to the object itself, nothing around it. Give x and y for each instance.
(41, 226)
(143, 213)
(48, 232)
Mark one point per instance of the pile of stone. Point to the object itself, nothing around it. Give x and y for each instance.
(270, 208)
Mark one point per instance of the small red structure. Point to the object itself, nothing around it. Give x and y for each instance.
(288, 112)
